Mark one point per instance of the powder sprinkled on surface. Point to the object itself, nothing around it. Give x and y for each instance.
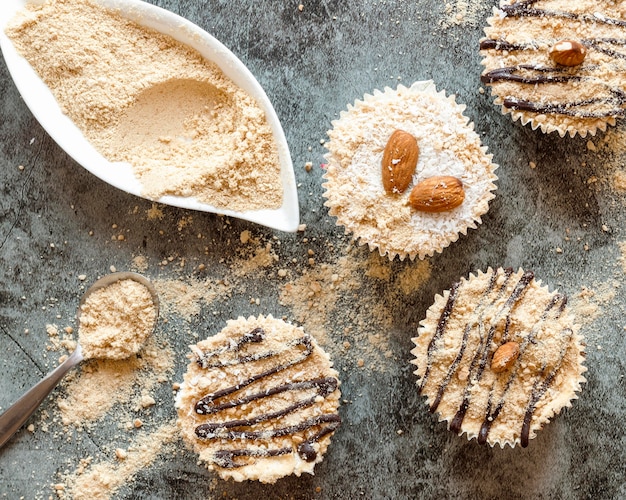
(154, 212)
(101, 480)
(185, 298)
(142, 97)
(140, 263)
(619, 181)
(338, 301)
(622, 260)
(60, 340)
(412, 278)
(253, 259)
(103, 383)
(463, 13)
(339, 305)
(116, 320)
(591, 303)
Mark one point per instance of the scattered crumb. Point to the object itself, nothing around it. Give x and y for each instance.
(463, 13)
(590, 304)
(245, 236)
(101, 480)
(100, 384)
(619, 181)
(140, 264)
(154, 212)
(186, 297)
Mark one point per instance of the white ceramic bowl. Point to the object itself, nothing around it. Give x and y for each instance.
(46, 110)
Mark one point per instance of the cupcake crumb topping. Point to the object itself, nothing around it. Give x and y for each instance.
(556, 64)
(384, 217)
(498, 355)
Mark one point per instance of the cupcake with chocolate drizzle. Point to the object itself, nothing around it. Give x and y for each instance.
(558, 65)
(498, 356)
(259, 400)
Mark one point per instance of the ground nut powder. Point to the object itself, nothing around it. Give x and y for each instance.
(144, 98)
(116, 320)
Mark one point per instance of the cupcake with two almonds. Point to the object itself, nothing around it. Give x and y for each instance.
(259, 401)
(406, 173)
(499, 355)
(558, 65)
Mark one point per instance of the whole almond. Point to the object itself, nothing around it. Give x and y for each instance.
(437, 194)
(399, 161)
(504, 357)
(568, 52)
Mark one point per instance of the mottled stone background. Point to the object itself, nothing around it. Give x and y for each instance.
(563, 219)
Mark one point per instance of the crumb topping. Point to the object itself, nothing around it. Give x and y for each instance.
(498, 355)
(448, 146)
(259, 400)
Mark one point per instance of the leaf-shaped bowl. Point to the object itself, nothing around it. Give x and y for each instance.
(66, 134)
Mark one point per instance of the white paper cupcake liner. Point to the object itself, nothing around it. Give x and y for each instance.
(536, 90)
(448, 146)
(455, 347)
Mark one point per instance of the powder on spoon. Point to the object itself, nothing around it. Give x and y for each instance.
(116, 320)
(144, 98)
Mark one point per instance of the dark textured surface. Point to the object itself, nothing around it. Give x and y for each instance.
(312, 63)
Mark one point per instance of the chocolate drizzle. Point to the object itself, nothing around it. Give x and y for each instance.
(490, 416)
(226, 458)
(308, 393)
(441, 328)
(479, 361)
(524, 9)
(303, 341)
(510, 74)
(468, 328)
(324, 386)
(573, 108)
(493, 314)
(606, 98)
(541, 386)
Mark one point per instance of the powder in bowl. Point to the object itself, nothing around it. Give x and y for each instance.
(143, 98)
(115, 321)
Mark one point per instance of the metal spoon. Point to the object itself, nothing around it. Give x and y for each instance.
(19, 412)
(46, 110)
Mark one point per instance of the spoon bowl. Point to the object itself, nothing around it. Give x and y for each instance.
(19, 412)
(66, 134)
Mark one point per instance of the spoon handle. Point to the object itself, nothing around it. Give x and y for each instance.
(19, 412)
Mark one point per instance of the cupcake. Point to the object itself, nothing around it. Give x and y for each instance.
(557, 65)
(406, 173)
(259, 401)
(498, 356)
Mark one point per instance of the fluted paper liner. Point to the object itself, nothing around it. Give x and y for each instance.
(259, 400)
(459, 336)
(448, 146)
(534, 89)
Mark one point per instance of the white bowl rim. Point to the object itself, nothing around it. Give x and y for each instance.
(46, 110)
